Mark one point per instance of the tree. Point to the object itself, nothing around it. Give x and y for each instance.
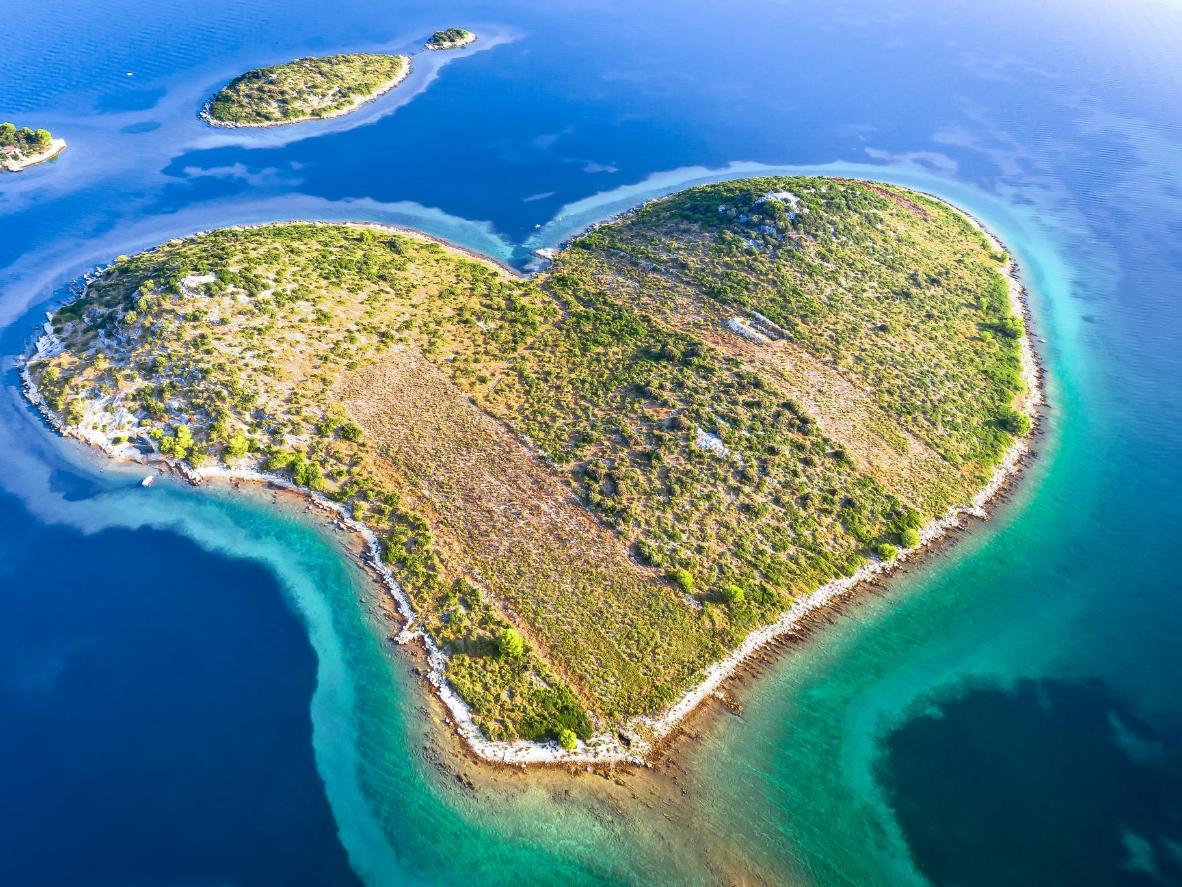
(1015, 422)
(43, 138)
(886, 552)
(909, 537)
(237, 446)
(304, 471)
(567, 739)
(178, 444)
(510, 644)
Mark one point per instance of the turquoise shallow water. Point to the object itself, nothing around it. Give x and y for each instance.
(195, 687)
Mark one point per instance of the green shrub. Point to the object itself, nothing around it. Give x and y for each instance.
(278, 459)
(304, 472)
(733, 595)
(683, 579)
(912, 518)
(909, 537)
(510, 644)
(887, 552)
(567, 739)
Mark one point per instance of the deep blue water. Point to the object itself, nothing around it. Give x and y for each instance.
(194, 689)
(118, 743)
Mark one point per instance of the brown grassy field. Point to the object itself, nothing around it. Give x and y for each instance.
(511, 526)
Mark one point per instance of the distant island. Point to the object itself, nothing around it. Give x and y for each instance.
(594, 490)
(313, 88)
(452, 38)
(24, 147)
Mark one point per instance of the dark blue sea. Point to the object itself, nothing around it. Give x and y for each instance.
(196, 687)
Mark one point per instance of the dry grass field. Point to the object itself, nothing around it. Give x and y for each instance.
(513, 528)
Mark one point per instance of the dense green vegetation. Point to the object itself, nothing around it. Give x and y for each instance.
(450, 38)
(20, 144)
(306, 88)
(594, 483)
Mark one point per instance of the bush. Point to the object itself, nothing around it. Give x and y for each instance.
(912, 518)
(510, 644)
(887, 552)
(647, 553)
(567, 739)
(733, 595)
(683, 579)
(909, 537)
(278, 459)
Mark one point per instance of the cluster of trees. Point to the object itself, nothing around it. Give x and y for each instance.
(450, 36)
(179, 444)
(25, 140)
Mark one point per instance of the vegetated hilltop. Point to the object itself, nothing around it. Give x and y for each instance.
(305, 89)
(452, 38)
(20, 147)
(594, 483)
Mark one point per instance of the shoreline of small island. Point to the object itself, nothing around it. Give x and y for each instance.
(659, 730)
(206, 113)
(451, 38)
(15, 145)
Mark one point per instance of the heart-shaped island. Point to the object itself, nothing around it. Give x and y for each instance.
(596, 487)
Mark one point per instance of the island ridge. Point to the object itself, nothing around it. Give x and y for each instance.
(594, 483)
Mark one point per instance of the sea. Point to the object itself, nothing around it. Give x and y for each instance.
(195, 685)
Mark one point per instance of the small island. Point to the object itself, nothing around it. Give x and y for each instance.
(595, 490)
(313, 88)
(24, 147)
(452, 38)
